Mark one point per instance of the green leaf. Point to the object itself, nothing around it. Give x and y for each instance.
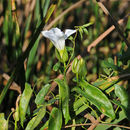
(53, 100)
(128, 24)
(85, 31)
(125, 55)
(86, 25)
(3, 122)
(55, 119)
(56, 66)
(104, 84)
(37, 13)
(81, 109)
(124, 98)
(108, 71)
(27, 25)
(110, 65)
(71, 38)
(81, 33)
(34, 122)
(69, 49)
(24, 102)
(31, 59)
(122, 94)
(50, 10)
(64, 98)
(97, 97)
(117, 103)
(45, 8)
(79, 103)
(42, 93)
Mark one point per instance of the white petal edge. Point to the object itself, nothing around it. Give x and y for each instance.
(56, 36)
(57, 32)
(69, 32)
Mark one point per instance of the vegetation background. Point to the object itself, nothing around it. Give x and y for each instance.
(107, 56)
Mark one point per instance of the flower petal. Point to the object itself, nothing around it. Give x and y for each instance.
(57, 32)
(69, 32)
(56, 36)
(61, 43)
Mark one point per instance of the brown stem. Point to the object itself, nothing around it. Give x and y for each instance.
(76, 5)
(96, 122)
(87, 124)
(14, 85)
(115, 23)
(103, 35)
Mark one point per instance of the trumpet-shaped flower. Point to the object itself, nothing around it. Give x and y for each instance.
(57, 37)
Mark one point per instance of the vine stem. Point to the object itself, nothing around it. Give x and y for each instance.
(67, 66)
(87, 124)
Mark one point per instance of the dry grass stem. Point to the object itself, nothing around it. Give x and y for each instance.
(114, 22)
(14, 85)
(103, 35)
(87, 124)
(96, 122)
(74, 6)
(90, 117)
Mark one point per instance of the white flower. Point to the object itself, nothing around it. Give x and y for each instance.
(57, 37)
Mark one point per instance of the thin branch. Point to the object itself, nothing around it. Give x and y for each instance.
(103, 35)
(29, 7)
(114, 0)
(14, 85)
(76, 5)
(90, 117)
(96, 122)
(121, 77)
(87, 124)
(115, 23)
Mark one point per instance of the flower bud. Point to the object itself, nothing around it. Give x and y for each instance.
(74, 66)
(78, 66)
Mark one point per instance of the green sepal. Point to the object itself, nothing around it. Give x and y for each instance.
(62, 55)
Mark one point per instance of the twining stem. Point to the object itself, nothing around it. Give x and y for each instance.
(77, 77)
(67, 66)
